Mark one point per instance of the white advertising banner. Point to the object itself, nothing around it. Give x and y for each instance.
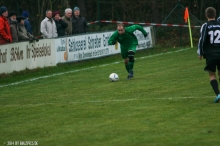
(61, 49)
(144, 43)
(91, 46)
(49, 52)
(25, 55)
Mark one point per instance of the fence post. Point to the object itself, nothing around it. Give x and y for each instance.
(99, 15)
(179, 21)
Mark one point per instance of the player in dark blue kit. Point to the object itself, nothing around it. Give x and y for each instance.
(209, 48)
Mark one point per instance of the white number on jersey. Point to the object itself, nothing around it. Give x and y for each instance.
(214, 37)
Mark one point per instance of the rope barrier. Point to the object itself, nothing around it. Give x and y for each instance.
(150, 24)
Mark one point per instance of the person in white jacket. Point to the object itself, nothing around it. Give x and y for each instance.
(48, 26)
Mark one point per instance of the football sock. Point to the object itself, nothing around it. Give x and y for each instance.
(131, 60)
(131, 65)
(214, 85)
(127, 67)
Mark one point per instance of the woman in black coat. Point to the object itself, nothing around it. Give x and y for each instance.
(60, 24)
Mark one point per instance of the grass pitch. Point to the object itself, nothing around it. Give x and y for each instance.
(168, 102)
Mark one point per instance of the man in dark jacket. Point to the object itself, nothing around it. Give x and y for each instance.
(13, 26)
(68, 19)
(79, 22)
(23, 34)
(60, 24)
(27, 24)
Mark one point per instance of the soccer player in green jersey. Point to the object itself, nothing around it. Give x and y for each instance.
(128, 42)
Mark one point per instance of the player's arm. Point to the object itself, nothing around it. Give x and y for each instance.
(198, 52)
(138, 27)
(112, 40)
(202, 39)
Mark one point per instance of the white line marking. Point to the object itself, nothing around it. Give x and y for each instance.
(106, 101)
(43, 77)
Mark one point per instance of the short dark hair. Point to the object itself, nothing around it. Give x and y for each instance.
(210, 12)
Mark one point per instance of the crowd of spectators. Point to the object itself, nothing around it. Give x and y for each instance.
(14, 28)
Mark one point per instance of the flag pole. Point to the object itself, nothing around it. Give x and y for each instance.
(186, 17)
(190, 33)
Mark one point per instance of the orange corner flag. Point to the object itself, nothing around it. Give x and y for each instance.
(186, 15)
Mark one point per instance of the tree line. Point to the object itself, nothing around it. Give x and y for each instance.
(153, 11)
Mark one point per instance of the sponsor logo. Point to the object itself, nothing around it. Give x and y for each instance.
(40, 51)
(3, 56)
(78, 45)
(63, 45)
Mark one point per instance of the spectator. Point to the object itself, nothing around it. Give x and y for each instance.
(48, 26)
(79, 22)
(13, 26)
(5, 33)
(68, 19)
(27, 24)
(60, 24)
(23, 34)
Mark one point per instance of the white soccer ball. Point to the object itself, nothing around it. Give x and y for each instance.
(113, 77)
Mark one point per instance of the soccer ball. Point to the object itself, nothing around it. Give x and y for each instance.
(113, 77)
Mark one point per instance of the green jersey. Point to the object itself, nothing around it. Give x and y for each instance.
(128, 39)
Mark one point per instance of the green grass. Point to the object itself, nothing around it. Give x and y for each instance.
(168, 102)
